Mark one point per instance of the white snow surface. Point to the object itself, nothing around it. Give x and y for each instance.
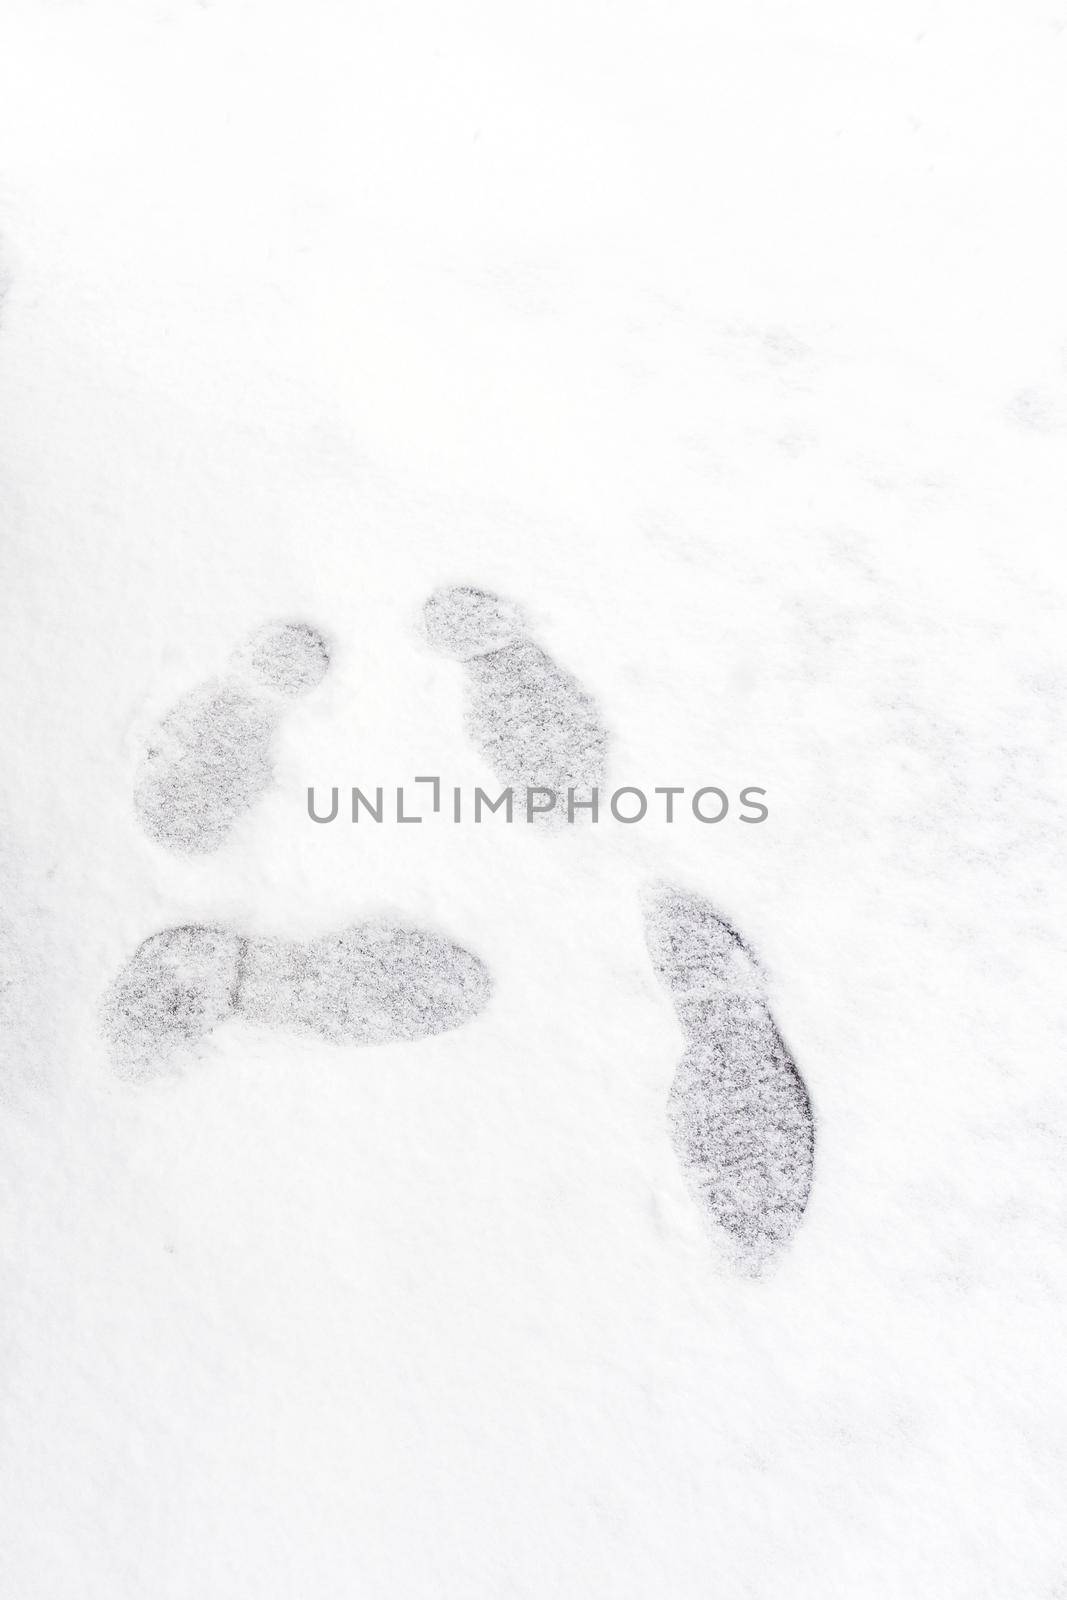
(729, 342)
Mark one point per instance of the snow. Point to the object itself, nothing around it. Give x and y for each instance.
(729, 344)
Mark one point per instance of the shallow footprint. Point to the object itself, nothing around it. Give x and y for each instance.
(210, 758)
(740, 1117)
(366, 985)
(534, 723)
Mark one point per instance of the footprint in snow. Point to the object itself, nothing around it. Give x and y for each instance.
(739, 1113)
(209, 760)
(533, 722)
(371, 983)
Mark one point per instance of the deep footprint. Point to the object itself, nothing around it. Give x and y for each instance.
(369, 984)
(740, 1117)
(210, 758)
(533, 722)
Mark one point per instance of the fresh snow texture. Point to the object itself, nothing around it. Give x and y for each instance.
(654, 397)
